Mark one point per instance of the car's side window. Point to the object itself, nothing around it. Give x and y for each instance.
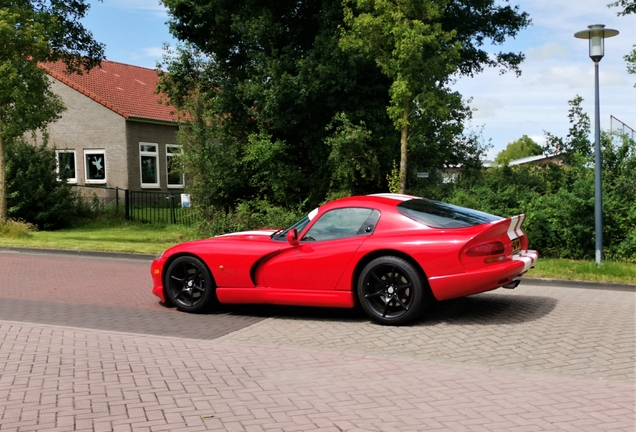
(342, 223)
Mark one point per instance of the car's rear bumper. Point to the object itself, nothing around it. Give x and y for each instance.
(490, 277)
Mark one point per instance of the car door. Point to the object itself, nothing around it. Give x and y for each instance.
(324, 252)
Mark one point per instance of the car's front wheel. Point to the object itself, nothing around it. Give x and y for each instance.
(390, 290)
(188, 284)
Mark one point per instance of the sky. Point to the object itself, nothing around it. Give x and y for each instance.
(557, 66)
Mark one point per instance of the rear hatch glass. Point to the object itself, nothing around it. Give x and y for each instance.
(436, 214)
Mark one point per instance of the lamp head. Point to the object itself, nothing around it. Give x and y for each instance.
(596, 33)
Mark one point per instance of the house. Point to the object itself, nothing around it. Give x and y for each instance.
(115, 133)
(451, 173)
(542, 159)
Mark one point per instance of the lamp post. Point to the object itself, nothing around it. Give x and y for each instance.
(597, 33)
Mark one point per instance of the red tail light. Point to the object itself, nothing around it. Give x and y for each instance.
(493, 248)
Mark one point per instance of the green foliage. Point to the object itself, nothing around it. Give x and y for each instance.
(273, 69)
(271, 173)
(249, 215)
(262, 71)
(31, 32)
(353, 162)
(35, 194)
(524, 146)
(559, 202)
(577, 141)
(619, 195)
(16, 229)
(629, 7)
(419, 45)
(394, 179)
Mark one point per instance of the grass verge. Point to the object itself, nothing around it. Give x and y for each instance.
(612, 272)
(126, 237)
(104, 236)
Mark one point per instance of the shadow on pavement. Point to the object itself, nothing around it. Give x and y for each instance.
(482, 309)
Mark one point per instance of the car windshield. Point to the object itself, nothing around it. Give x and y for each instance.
(300, 225)
(437, 214)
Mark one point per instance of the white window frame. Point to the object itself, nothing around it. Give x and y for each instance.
(88, 152)
(146, 153)
(170, 154)
(57, 164)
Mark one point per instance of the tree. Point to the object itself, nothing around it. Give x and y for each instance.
(524, 146)
(577, 142)
(278, 69)
(629, 7)
(419, 45)
(33, 31)
(274, 69)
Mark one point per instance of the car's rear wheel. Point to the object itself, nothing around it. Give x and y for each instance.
(188, 284)
(390, 290)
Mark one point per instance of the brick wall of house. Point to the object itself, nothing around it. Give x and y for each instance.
(152, 133)
(87, 125)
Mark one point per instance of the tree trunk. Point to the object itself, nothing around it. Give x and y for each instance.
(3, 184)
(404, 136)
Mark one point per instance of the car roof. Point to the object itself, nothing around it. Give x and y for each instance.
(374, 200)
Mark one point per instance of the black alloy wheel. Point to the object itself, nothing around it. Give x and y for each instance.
(390, 291)
(188, 284)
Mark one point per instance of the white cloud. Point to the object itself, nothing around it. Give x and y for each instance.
(539, 139)
(546, 51)
(153, 52)
(569, 75)
(486, 108)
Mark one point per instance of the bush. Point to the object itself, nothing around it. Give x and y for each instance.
(559, 202)
(248, 215)
(35, 194)
(16, 229)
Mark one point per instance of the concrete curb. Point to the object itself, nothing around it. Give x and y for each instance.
(562, 283)
(145, 257)
(92, 254)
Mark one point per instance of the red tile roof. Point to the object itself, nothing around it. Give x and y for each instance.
(128, 90)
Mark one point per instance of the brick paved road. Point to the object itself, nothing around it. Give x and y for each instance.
(85, 346)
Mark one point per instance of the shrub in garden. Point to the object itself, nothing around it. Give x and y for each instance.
(248, 215)
(35, 193)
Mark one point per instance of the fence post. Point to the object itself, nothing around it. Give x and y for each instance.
(172, 215)
(117, 200)
(127, 204)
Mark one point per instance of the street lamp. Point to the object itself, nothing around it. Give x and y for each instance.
(597, 33)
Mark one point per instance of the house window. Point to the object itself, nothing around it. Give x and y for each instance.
(174, 172)
(149, 162)
(95, 166)
(66, 165)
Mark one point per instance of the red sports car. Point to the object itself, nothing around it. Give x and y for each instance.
(390, 253)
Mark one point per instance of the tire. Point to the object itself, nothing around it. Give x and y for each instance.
(188, 284)
(390, 291)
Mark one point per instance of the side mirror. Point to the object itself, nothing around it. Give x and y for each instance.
(292, 237)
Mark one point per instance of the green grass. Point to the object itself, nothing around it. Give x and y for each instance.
(126, 237)
(103, 236)
(614, 272)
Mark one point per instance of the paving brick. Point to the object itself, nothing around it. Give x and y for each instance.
(72, 358)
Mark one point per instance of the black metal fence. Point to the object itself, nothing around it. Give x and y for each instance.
(153, 206)
(97, 196)
(140, 206)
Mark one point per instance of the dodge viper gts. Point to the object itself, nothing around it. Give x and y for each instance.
(391, 254)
